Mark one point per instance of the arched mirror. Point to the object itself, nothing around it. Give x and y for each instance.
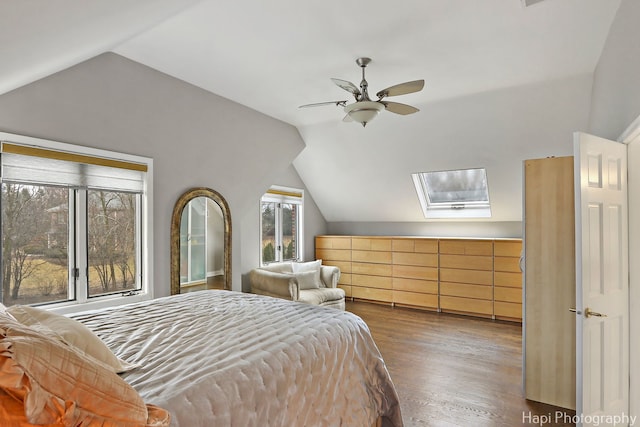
(200, 242)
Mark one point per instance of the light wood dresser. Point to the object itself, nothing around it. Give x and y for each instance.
(477, 277)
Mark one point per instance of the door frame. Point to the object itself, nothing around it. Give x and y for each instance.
(631, 137)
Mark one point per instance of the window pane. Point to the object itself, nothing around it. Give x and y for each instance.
(35, 236)
(197, 238)
(468, 185)
(289, 231)
(111, 229)
(268, 212)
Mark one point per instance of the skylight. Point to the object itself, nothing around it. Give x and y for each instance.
(453, 194)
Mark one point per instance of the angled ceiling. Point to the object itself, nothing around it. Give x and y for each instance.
(503, 82)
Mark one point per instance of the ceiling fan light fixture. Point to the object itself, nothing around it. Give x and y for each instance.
(364, 111)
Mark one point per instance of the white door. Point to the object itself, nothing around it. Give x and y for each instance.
(602, 279)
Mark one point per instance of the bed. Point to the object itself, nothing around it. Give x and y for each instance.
(221, 358)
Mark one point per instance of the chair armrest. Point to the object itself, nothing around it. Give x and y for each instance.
(330, 275)
(271, 283)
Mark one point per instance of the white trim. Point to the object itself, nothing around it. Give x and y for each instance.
(631, 133)
(147, 221)
(297, 200)
(631, 137)
(449, 210)
(72, 148)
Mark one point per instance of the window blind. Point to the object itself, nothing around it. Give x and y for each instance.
(32, 165)
(283, 196)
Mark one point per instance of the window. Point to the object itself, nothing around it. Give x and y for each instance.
(281, 225)
(72, 223)
(453, 194)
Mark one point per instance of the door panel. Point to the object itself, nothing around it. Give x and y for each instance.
(602, 284)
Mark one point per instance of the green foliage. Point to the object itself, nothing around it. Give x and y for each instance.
(268, 253)
(288, 251)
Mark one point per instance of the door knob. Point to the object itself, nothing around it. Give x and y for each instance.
(587, 312)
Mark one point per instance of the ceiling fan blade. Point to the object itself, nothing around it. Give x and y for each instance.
(318, 104)
(347, 118)
(396, 107)
(348, 86)
(401, 89)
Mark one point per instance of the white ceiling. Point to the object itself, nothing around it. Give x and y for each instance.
(475, 56)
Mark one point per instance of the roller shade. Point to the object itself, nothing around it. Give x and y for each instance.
(283, 196)
(31, 165)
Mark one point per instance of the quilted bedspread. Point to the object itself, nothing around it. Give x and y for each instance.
(221, 358)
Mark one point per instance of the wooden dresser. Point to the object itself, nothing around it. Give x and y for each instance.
(478, 277)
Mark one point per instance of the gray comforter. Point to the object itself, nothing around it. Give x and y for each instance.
(220, 358)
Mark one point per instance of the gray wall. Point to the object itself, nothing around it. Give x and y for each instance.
(314, 224)
(616, 86)
(508, 126)
(493, 229)
(195, 138)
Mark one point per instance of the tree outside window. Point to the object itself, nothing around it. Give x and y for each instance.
(280, 222)
(36, 264)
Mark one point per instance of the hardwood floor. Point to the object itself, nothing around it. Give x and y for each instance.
(455, 370)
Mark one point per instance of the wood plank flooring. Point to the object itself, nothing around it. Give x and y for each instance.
(455, 370)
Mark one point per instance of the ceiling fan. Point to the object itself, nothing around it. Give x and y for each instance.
(364, 109)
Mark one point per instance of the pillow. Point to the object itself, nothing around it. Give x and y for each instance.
(279, 267)
(12, 412)
(55, 383)
(72, 333)
(299, 267)
(3, 309)
(308, 279)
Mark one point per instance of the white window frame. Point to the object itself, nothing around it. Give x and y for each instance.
(279, 194)
(81, 302)
(446, 210)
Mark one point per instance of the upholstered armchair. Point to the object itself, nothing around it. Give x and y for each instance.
(308, 282)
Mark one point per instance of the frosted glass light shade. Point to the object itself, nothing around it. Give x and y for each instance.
(364, 111)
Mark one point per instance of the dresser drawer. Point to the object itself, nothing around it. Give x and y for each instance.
(468, 291)
(415, 285)
(508, 309)
(371, 269)
(466, 276)
(384, 295)
(371, 256)
(371, 281)
(333, 254)
(507, 294)
(513, 280)
(467, 247)
(333, 242)
(412, 258)
(371, 244)
(467, 262)
(415, 272)
(415, 299)
(466, 305)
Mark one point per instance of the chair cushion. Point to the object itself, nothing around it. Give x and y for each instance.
(279, 267)
(308, 279)
(299, 267)
(321, 296)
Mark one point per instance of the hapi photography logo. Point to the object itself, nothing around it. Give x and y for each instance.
(559, 417)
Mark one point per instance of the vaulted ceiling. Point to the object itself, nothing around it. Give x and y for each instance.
(504, 82)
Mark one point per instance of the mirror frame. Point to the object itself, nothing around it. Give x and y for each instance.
(176, 218)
